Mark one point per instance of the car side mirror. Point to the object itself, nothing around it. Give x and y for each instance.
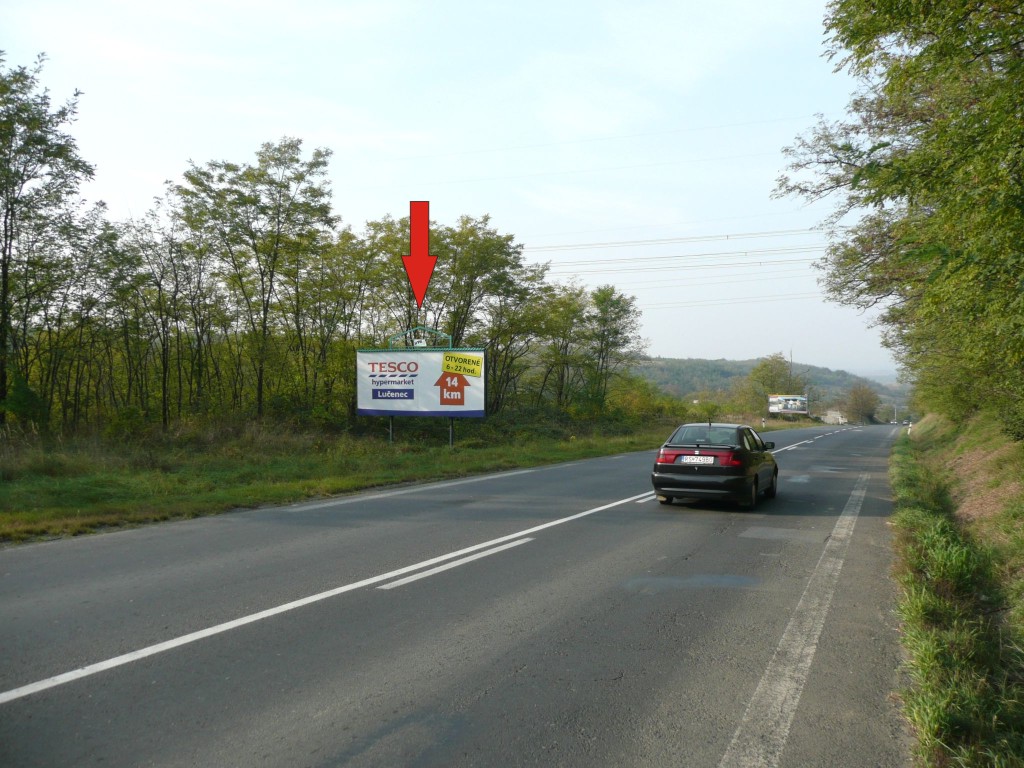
(768, 444)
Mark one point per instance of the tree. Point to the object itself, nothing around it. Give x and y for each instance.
(236, 294)
(613, 342)
(773, 375)
(476, 264)
(861, 403)
(510, 324)
(40, 170)
(265, 218)
(559, 376)
(931, 163)
(393, 309)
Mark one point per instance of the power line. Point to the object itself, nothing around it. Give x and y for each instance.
(741, 300)
(666, 240)
(706, 254)
(681, 267)
(787, 274)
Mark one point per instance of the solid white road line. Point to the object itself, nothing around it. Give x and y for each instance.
(341, 500)
(761, 735)
(791, 447)
(117, 661)
(448, 566)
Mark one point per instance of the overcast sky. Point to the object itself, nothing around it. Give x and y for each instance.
(569, 123)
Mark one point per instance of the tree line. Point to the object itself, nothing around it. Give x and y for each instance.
(927, 171)
(238, 294)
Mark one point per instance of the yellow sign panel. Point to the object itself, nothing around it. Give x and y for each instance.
(460, 362)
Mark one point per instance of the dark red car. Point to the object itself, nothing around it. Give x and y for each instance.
(715, 461)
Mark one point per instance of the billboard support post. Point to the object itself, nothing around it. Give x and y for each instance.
(419, 337)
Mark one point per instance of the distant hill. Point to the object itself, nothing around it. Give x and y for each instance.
(686, 377)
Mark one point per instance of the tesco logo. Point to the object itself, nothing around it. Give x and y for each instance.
(395, 367)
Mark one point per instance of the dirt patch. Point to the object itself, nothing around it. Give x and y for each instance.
(982, 490)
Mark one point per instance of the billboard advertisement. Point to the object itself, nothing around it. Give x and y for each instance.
(421, 382)
(791, 404)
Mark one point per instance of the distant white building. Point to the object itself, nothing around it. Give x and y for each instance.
(834, 417)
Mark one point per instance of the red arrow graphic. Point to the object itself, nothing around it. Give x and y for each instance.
(419, 264)
(452, 386)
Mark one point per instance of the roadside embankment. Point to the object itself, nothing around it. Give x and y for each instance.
(959, 524)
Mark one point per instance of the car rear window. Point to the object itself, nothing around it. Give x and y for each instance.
(693, 435)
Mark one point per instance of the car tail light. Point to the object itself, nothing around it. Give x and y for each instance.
(667, 457)
(729, 459)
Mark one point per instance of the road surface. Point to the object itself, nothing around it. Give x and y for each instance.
(550, 617)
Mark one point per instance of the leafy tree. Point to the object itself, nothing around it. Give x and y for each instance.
(861, 403)
(639, 398)
(335, 286)
(932, 162)
(559, 374)
(476, 264)
(773, 375)
(265, 218)
(612, 338)
(394, 309)
(510, 330)
(708, 407)
(40, 170)
(237, 294)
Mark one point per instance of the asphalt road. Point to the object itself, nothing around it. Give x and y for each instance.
(550, 617)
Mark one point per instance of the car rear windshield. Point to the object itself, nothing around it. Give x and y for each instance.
(703, 435)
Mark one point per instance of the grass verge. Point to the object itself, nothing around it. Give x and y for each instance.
(960, 605)
(48, 491)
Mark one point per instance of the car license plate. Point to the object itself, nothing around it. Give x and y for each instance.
(697, 459)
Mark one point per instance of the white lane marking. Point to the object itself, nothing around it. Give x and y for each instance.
(791, 447)
(456, 564)
(127, 658)
(646, 497)
(762, 734)
(402, 491)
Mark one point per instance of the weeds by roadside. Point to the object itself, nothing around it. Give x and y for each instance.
(965, 658)
(80, 486)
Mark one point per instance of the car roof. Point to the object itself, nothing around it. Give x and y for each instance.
(711, 424)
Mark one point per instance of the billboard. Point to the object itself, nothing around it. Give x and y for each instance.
(792, 404)
(421, 381)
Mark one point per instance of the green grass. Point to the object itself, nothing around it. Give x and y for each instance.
(85, 485)
(90, 485)
(960, 610)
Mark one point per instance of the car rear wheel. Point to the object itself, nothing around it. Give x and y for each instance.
(751, 500)
(772, 489)
(665, 499)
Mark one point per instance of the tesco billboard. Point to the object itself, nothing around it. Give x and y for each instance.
(421, 382)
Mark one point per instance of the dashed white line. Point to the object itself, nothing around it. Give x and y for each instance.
(456, 564)
(764, 729)
(127, 658)
(791, 447)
